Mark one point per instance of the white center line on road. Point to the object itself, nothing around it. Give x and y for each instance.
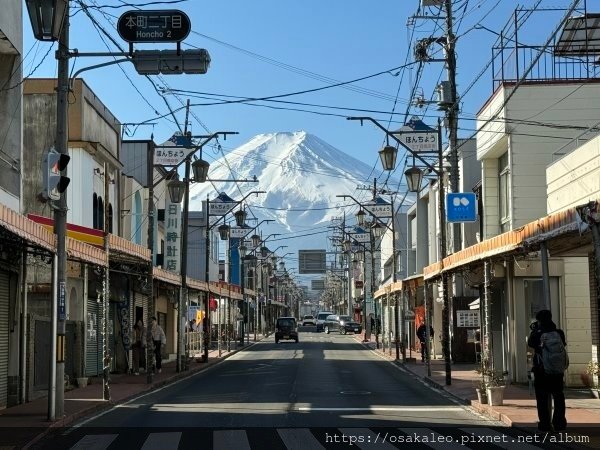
(230, 439)
(299, 439)
(386, 408)
(95, 442)
(162, 441)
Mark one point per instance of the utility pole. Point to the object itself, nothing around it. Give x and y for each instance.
(106, 359)
(182, 353)
(150, 274)
(452, 117)
(60, 213)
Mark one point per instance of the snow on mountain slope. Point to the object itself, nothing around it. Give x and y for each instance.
(301, 175)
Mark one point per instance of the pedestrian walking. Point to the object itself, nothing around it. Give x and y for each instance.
(139, 346)
(159, 339)
(550, 360)
(422, 335)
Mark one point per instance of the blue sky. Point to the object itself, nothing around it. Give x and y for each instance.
(267, 47)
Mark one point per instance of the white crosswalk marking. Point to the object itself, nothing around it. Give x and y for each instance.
(95, 442)
(495, 437)
(230, 439)
(162, 441)
(299, 439)
(443, 442)
(369, 439)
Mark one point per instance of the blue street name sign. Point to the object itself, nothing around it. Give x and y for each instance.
(461, 207)
(62, 307)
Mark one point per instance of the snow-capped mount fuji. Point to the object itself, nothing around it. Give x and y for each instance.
(301, 175)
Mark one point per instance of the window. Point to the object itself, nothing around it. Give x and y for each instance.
(110, 218)
(503, 192)
(136, 219)
(100, 214)
(95, 212)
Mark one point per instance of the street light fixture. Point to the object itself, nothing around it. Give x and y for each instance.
(378, 230)
(255, 239)
(414, 177)
(347, 245)
(200, 169)
(176, 190)
(47, 18)
(360, 217)
(240, 217)
(224, 232)
(388, 157)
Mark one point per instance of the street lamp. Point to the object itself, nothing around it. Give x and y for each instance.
(414, 179)
(200, 169)
(47, 18)
(224, 232)
(360, 218)
(387, 155)
(176, 190)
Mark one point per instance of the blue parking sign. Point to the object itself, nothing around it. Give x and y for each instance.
(461, 207)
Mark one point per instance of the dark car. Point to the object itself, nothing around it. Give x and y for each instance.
(350, 326)
(285, 329)
(334, 322)
(343, 324)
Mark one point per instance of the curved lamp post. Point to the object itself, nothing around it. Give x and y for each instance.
(388, 160)
(222, 233)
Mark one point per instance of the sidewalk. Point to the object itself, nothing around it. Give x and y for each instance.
(519, 409)
(28, 422)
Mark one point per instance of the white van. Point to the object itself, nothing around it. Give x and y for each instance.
(321, 316)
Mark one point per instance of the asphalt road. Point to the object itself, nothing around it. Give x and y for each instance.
(284, 395)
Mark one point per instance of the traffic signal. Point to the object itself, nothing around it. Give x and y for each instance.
(54, 183)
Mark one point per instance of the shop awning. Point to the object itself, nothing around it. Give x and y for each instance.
(548, 227)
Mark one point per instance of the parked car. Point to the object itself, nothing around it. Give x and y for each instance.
(286, 329)
(351, 326)
(333, 322)
(321, 317)
(342, 324)
(309, 320)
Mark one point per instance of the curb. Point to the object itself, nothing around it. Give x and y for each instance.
(110, 404)
(481, 409)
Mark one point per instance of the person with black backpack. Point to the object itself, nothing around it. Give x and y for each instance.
(550, 360)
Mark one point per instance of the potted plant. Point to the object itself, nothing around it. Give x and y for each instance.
(590, 376)
(481, 386)
(495, 389)
(491, 385)
(481, 390)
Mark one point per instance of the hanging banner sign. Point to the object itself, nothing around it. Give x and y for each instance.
(380, 210)
(361, 237)
(170, 156)
(238, 232)
(220, 208)
(418, 137)
(419, 141)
